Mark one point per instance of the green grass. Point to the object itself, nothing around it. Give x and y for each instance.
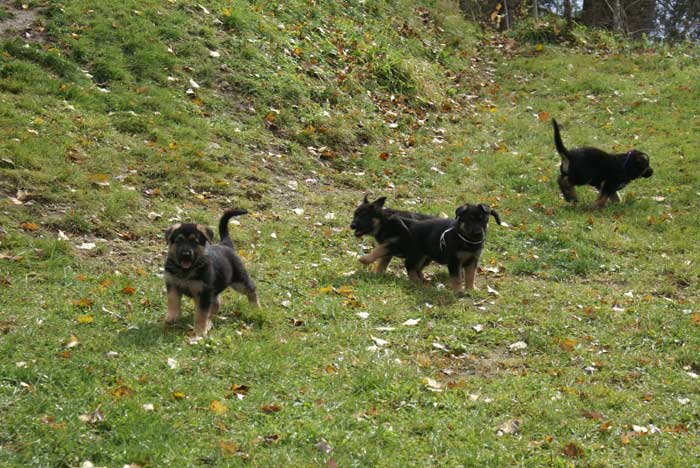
(100, 141)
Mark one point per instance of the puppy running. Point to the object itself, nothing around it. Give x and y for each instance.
(370, 218)
(198, 269)
(604, 171)
(457, 243)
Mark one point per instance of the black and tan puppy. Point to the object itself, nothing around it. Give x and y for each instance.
(197, 268)
(370, 218)
(457, 243)
(604, 171)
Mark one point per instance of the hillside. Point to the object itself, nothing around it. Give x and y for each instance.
(118, 119)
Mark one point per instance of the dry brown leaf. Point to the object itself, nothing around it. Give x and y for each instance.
(268, 409)
(573, 450)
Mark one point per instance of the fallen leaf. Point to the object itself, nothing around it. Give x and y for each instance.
(411, 322)
(179, 395)
(432, 385)
(378, 341)
(518, 345)
(83, 303)
(227, 447)
(218, 407)
(573, 450)
(148, 407)
(83, 319)
(121, 391)
(510, 427)
(269, 409)
(92, 418)
(172, 363)
(128, 290)
(72, 342)
(568, 344)
(543, 116)
(29, 226)
(323, 447)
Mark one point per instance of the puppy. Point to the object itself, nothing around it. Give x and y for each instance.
(457, 243)
(370, 218)
(604, 171)
(197, 268)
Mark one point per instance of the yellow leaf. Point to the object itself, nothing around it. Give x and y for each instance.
(84, 303)
(29, 226)
(82, 319)
(326, 289)
(695, 318)
(218, 407)
(568, 344)
(539, 47)
(172, 145)
(179, 395)
(227, 447)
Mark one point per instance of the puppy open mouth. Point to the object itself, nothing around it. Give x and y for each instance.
(359, 233)
(186, 264)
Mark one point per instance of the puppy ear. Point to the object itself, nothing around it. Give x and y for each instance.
(170, 230)
(494, 213)
(460, 210)
(485, 208)
(379, 202)
(365, 200)
(206, 231)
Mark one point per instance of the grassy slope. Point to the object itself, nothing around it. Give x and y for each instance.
(315, 96)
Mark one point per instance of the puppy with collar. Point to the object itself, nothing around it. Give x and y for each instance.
(197, 268)
(604, 171)
(457, 243)
(370, 218)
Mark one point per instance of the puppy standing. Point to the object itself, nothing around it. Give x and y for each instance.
(604, 171)
(198, 269)
(370, 218)
(457, 243)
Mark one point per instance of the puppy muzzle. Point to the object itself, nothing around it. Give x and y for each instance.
(186, 259)
(648, 172)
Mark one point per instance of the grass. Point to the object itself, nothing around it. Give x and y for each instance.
(312, 106)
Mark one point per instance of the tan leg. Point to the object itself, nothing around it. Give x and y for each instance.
(174, 300)
(469, 276)
(601, 201)
(202, 321)
(456, 284)
(249, 292)
(379, 251)
(214, 308)
(253, 298)
(567, 189)
(383, 264)
(416, 276)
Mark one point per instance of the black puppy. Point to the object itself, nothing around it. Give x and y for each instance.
(457, 243)
(198, 269)
(604, 171)
(370, 218)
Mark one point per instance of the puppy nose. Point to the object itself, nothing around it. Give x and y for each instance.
(186, 254)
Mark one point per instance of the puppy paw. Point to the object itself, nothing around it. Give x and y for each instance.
(203, 329)
(366, 260)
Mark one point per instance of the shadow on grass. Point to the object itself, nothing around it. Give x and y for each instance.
(155, 332)
(427, 292)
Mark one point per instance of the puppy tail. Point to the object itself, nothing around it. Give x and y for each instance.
(557, 141)
(223, 225)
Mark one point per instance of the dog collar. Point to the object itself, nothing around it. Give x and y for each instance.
(443, 242)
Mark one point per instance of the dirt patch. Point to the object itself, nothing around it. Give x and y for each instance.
(21, 23)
